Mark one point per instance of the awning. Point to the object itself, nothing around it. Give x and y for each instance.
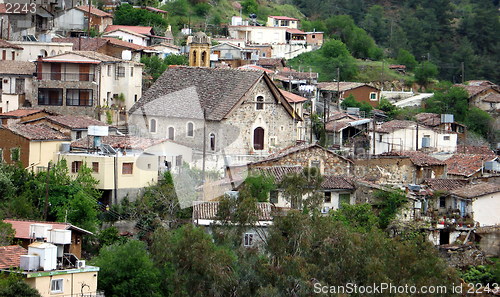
(360, 122)
(43, 13)
(296, 31)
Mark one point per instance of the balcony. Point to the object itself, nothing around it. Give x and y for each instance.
(66, 76)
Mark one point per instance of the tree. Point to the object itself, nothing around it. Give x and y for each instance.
(359, 218)
(127, 270)
(250, 6)
(258, 186)
(300, 189)
(351, 101)
(389, 205)
(407, 59)
(193, 265)
(425, 72)
(126, 14)
(6, 233)
(14, 286)
(155, 66)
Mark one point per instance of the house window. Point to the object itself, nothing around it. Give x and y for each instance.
(95, 167)
(131, 71)
(380, 138)
(13, 56)
(373, 96)
(120, 72)
(273, 197)
(328, 197)
(313, 36)
(446, 137)
(4, 55)
(260, 103)
(50, 97)
(258, 138)
(248, 239)
(1, 155)
(75, 97)
(75, 166)
(15, 154)
(56, 285)
(442, 202)
(78, 134)
(109, 70)
(212, 141)
(135, 98)
(127, 168)
(190, 129)
(171, 133)
(272, 141)
(152, 126)
(344, 199)
(131, 40)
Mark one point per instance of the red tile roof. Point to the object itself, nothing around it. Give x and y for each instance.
(476, 190)
(75, 122)
(209, 210)
(15, 67)
(285, 18)
(474, 90)
(295, 31)
(417, 158)
(155, 9)
(118, 42)
(18, 113)
(394, 125)
(119, 142)
(445, 184)
(257, 68)
(296, 148)
(293, 98)
(6, 44)
(136, 29)
(337, 182)
(83, 44)
(22, 227)
(10, 256)
(94, 11)
(492, 98)
(37, 132)
(277, 172)
(428, 119)
(337, 126)
(475, 150)
(341, 115)
(467, 164)
(270, 62)
(342, 86)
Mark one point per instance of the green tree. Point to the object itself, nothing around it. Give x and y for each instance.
(127, 270)
(202, 9)
(407, 59)
(351, 101)
(359, 218)
(14, 286)
(390, 204)
(390, 109)
(250, 6)
(425, 72)
(6, 233)
(192, 264)
(126, 14)
(376, 24)
(300, 189)
(259, 186)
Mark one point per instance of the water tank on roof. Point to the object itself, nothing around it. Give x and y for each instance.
(126, 55)
(29, 262)
(353, 111)
(47, 253)
(59, 236)
(236, 21)
(447, 118)
(39, 230)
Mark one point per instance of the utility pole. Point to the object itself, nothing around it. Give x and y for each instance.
(47, 180)
(463, 72)
(373, 133)
(338, 88)
(416, 140)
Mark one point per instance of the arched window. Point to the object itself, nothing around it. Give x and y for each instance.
(194, 58)
(152, 126)
(258, 138)
(190, 129)
(53, 53)
(171, 133)
(43, 53)
(260, 103)
(212, 141)
(203, 57)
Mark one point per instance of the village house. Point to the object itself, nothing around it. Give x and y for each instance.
(84, 82)
(480, 200)
(472, 165)
(33, 49)
(14, 26)
(9, 50)
(21, 115)
(125, 165)
(295, 81)
(331, 91)
(443, 122)
(202, 109)
(16, 84)
(234, 55)
(400, 168)
(483, 94)
(31, 145)
(207, 214)
(346, 131)
(141, 35)
(74, 22)
(24, 233)
(297, 102)
(308, 155)
(110, 46)
(165, 49)
(398, 135)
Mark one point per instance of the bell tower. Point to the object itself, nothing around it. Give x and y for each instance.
(199, 50)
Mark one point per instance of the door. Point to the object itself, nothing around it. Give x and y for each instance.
(19, 85)
(84, 72)
(55, 71)
(258, 138)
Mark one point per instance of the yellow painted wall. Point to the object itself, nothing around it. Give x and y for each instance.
(41, 152)
(73, 284)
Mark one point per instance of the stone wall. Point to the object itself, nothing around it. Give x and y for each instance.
(392, 170)
(490, 241)
(330, 163)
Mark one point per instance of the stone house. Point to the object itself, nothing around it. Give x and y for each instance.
(442, 122)
(400, 168)
(362, 92)
(471, 166)
(483, 94)
(308, 155)
(480, 200)
(81, 82)
(222, 112)
(15, 26)
(141, 35)
(16, 84)
(297, 102)
(344, 131)
(33, 49)
(33, 145)
(234, 55)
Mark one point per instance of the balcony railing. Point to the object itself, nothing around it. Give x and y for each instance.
(67, 76)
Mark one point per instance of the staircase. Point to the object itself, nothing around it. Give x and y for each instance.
(123, 129)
